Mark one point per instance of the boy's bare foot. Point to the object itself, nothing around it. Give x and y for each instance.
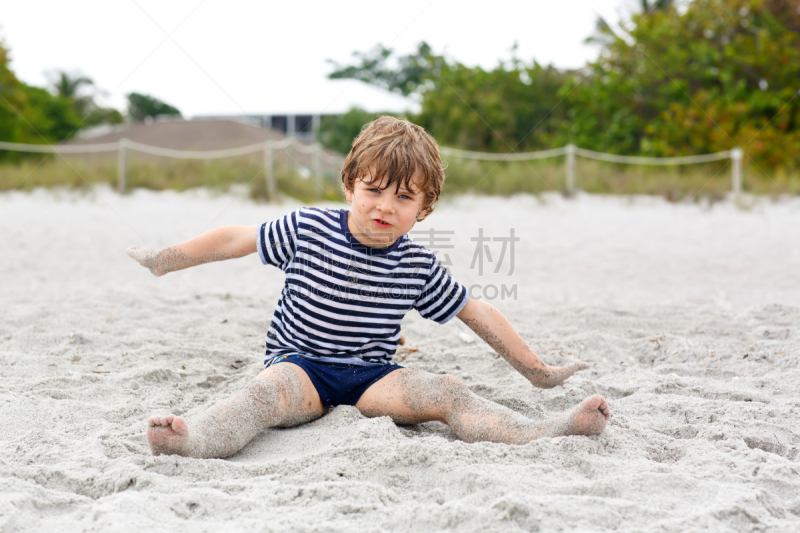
(588, 418)
(168, 435)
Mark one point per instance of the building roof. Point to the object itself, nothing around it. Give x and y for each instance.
(207, 135)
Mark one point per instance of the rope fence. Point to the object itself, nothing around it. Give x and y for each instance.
(571, 152)
(123, 146)
(269, 149)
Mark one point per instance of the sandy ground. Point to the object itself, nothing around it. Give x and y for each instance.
(690, 315)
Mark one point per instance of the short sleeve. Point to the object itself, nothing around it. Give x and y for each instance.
(442, 296)
(277, 240)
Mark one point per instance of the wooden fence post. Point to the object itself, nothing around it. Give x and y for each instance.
(318, 163)
(736, 173)
(570, 169)
(122, 166)
(269, 168)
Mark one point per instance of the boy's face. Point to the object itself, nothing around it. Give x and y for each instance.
(381, 216)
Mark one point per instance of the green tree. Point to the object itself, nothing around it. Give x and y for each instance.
(12, 99)
(66, 85)
(97, 115)
(713, 76)
(30, 114)
(512, 106)
(405, 75)
(52, 117)
(507, 109)
(705, 77)
(604, 33)
(142, 106)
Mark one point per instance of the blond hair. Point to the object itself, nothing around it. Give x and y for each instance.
(396, 150)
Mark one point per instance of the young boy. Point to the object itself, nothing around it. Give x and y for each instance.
(351, 276)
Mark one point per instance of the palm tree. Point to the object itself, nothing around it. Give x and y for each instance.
(605, 34)
(68, 85)
(656, 5)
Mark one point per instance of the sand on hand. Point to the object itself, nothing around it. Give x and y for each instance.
(688, 313)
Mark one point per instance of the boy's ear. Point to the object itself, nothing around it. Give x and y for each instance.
(423, 213)
(348, 195)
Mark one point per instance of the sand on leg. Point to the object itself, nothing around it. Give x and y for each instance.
(412, 396)
(281, 396)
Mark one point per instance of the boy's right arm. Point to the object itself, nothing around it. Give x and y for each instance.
(227, 242)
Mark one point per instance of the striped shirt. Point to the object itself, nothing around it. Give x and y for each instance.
(343, 301)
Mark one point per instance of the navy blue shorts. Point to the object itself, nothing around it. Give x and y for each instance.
(337, 383)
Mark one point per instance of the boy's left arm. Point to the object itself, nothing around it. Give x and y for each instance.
(490, 325)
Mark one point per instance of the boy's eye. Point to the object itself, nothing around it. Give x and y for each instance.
(378, 191)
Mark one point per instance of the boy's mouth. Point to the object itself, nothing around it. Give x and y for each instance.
(381, 223)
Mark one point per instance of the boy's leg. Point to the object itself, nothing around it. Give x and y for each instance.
(282, 395)
(411, 396)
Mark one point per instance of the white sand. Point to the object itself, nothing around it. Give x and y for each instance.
(689, 314)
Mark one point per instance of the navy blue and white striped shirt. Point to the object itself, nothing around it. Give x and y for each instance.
(342, 301)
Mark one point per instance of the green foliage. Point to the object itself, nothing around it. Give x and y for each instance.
(68, 86)
(34, 115)
(12, 101)
(653, 5)
(51, 118)
(404, 76)
(508, 108)
(511, 108)
(97, 115)
(713, 77)
(142, 106)
(30, 114)
(710, 76)
(604, 34)
(336, 132)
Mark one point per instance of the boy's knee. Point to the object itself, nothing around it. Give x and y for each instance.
(263, 390)
(451, 382)
(282, 386)
(453, 394)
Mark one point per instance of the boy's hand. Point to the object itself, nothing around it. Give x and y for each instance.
(492, 327)
(218, 244)
(553, 376)
(147, 258)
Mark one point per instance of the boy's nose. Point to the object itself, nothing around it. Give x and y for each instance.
(386, 206)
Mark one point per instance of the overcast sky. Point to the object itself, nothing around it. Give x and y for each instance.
(237, 56)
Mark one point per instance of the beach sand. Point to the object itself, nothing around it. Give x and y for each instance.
(688, 313)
